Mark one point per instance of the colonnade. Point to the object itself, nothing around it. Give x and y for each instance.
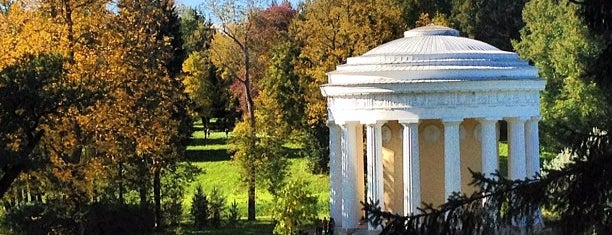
(345, 147)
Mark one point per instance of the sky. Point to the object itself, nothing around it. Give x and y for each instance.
(194, 3)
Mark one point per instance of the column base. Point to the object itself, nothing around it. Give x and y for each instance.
(355, 231)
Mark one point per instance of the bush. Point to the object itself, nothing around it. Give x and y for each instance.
(31, 218)
(296, 207)
(199, 209)
(55, 217)
(117, 218)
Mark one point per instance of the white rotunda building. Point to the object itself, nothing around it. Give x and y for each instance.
(409, 117)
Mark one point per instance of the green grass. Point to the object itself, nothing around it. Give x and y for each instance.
(220, 172)
(245, 227)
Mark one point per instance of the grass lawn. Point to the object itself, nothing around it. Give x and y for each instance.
(245, 227)
(220, 172)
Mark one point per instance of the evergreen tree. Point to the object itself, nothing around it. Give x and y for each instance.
(566, 49)
(199, 208)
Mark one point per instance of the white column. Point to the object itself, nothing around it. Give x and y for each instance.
(532, 155)
(532, 147)
(452, 160)
(375, 183)
(350, 198)
(335, 172)
(488, 143)
(516, 148)
(411, 172)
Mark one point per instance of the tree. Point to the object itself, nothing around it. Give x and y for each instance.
(32, 79)
(153, 123)
(199, 208)
(412, 9)
(202, 79)
(495, 22)
(438, 19)
(329, 32)
(556, 39)
(565, 48)
(295, 208)
(250, 31)
(48, 32)
(234, 37)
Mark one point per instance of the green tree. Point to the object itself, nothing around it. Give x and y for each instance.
(412, 10)
(202, 79)
(199, 208)
(496, 22)
(566, 47)
(196, 30)
(560, 44)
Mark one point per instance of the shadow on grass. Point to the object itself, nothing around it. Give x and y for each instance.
(209, 141)
(211, 155)
(243, 227)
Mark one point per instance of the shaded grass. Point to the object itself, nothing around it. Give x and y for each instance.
(244, 227)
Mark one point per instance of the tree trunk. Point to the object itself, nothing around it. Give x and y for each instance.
(251, 202)
(157, 199)
(144, 186)
(251, 117)
(120, 176)
(10, 174)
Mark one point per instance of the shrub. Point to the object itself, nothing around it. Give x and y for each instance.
(117, 218)
(296, 207)
(199, 209)
(55, 217)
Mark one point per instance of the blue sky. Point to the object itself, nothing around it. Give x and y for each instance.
(193, 3)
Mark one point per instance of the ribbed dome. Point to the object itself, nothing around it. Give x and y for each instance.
(435, 52)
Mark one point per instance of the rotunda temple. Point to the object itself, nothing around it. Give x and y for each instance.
(426, 107)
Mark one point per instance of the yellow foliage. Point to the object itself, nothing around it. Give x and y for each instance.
(332, 31)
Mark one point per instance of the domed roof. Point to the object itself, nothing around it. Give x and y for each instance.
(438, 53)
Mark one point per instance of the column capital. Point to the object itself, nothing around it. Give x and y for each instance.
(488, 119)
(408, 121)
(536, 118)
(331, 123)
(516, 119)
(377, 123)
(452, 121)
(345, 124)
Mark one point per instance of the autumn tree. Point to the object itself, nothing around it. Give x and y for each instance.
(246, 29)
(234, 37)
(202, 80)
(156, 124)
(46, 31)
(329, 32)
